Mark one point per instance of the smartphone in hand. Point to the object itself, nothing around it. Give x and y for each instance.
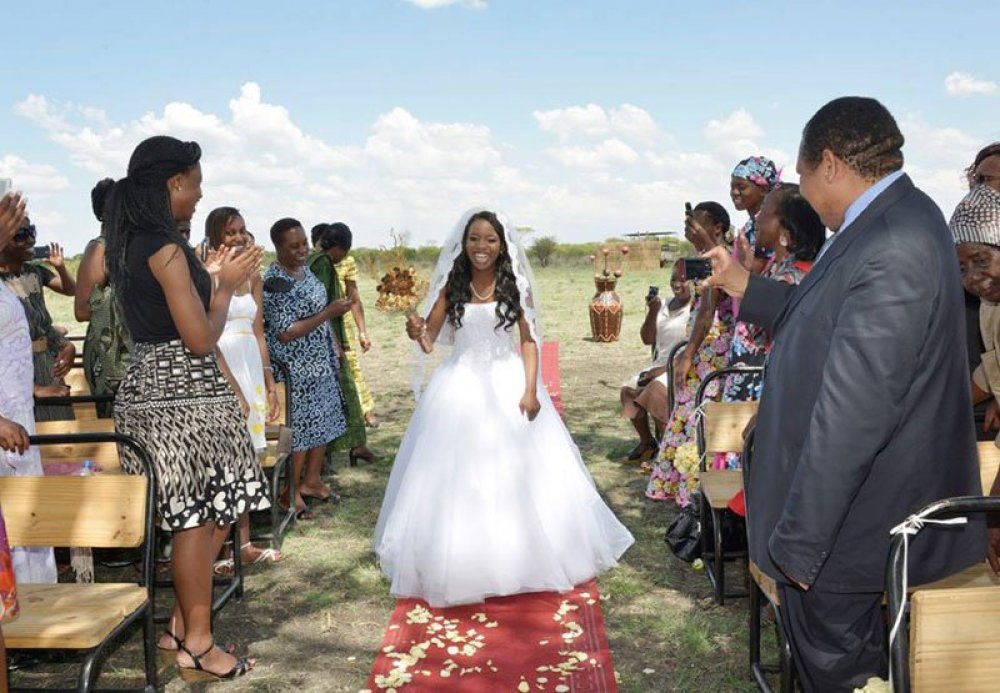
(694, 268)
(41, 252)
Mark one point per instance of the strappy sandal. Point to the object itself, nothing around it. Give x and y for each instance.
(171, 652)
(200, 673)
(268, 555)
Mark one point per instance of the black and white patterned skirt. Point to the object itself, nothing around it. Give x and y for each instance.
(182, 409)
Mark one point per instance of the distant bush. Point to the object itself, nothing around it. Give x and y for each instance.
(543, 248)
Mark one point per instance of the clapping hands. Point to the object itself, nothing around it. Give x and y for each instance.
(234, 268)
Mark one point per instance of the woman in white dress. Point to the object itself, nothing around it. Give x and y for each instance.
(17, 403)
(488, 495)
(242, 355)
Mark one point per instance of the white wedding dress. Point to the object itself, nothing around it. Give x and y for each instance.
(481, 502)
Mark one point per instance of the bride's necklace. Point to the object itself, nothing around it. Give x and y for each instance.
(489, 292)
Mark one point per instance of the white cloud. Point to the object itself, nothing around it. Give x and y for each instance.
(964, 84)
(936, 158)
(32, 179)
(738, 136)
(575, 120)
(627, 122)
(435, 4)
(408, 173)
(612, 152)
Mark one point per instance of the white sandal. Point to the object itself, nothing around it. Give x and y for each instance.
(267, 555)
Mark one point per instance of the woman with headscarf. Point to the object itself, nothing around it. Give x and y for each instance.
(174, 400)
(751, 181)
(975, 225)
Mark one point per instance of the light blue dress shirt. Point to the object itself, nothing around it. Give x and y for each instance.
(858, 206)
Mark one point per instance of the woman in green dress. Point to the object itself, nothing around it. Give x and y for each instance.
(333, 241)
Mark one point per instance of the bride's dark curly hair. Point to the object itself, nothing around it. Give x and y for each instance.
(458, 290)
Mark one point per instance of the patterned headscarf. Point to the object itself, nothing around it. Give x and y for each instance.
(760, 171)
(977, 217)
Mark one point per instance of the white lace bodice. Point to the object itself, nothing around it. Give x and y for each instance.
(478, 341)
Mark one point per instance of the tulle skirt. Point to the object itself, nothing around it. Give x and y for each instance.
(481, 502)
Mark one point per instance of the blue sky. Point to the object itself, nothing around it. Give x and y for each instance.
(582, 119)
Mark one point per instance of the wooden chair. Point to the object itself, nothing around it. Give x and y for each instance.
(108, 511)
(762, 586)
(103, 451)
(954, 628)
(277, 460)
(720, 430)
(954, 631)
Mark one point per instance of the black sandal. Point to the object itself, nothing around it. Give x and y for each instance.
(227, 647)
(200, 673)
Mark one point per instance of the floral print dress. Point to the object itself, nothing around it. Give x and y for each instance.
(317, 404)
(675, 474)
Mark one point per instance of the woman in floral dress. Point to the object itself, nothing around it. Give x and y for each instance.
(297, 328)
(706, 351)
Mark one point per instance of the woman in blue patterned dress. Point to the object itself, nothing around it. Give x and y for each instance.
(297, 328)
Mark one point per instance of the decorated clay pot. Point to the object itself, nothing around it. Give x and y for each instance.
(605, 310)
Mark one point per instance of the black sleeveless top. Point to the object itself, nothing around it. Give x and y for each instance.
(145, 305)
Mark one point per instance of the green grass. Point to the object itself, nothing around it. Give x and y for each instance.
(316, 620)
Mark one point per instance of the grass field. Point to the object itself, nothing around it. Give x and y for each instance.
(316, 620)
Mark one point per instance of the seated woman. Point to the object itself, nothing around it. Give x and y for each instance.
(645, 394)
(297, 327)
(52, 352)
(107, 345)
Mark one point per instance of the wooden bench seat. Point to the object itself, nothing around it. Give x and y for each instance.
(104, 454)
(99, 511)
(70, 615)
(720, 485)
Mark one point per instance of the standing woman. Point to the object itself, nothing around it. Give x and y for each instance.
(297, 325)
(174, 399)
(708, 344)
(355, 329)
(333, 242)
(242, 355)
(107, 345)
(31, 564)
(52, 353)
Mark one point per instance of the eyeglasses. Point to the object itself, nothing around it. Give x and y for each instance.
(25, 233)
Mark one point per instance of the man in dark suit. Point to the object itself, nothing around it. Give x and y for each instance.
(866, 413)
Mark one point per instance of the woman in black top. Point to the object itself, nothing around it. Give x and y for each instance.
(173, 398)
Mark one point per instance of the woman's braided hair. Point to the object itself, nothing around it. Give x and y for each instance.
(140, 202)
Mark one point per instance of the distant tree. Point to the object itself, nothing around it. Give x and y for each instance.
(543, 249)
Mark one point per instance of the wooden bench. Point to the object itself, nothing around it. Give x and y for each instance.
(277, 463)
(104, 453)
(941, 642)
(954, 629)
(720, 430)
(100, 511)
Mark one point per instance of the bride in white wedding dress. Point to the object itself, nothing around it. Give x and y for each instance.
(488, 495)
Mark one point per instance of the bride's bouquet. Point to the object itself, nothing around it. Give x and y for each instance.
(399, 290)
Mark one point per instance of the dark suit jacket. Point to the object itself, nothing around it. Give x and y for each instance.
(866, 413)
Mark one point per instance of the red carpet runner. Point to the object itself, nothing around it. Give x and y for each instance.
(550, 374)
(529, 642)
